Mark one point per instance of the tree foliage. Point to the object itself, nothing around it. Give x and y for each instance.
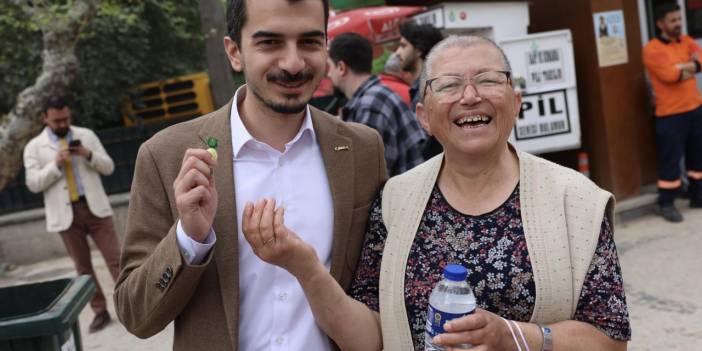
(20, 55)
(128, 42)
(61, 24)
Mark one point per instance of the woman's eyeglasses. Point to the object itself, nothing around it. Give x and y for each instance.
(451, 88)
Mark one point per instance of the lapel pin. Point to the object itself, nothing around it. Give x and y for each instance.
(342, 148)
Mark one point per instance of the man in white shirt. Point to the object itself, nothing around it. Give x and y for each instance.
(65, 163)
(185, 258)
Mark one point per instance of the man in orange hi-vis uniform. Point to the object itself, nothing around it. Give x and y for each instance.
(672, 60)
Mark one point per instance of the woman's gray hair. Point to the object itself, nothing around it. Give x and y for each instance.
(455, 41)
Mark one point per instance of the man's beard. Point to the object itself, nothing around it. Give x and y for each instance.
(281, 108)
(284, 77)
(60, 132)
(674, 33)
(410, 64)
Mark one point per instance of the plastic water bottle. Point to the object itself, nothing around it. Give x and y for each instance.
(452, 298)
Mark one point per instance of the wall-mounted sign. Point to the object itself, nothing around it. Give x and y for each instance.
(545, 66)
(434, 17)
(482, 18)
(610, 35)
(543, 114)
(544, 70)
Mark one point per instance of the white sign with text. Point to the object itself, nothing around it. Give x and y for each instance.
(544, 70)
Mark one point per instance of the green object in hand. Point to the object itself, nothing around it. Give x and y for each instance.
(212, 147)
(212, 142)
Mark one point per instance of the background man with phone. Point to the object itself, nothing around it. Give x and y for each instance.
(65, 163)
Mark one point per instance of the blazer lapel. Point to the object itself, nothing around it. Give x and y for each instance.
(337, 152)
(225, 224)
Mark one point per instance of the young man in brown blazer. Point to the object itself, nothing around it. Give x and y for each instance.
(185, 258)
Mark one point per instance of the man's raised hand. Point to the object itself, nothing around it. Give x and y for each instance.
(195, 193)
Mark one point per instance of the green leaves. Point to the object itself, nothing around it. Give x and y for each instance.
(20, 54)
(127, 43)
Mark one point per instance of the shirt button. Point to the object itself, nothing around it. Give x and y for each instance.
(283, 296)
(280, 340)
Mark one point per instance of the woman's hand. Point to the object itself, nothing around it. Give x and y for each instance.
(484, 330)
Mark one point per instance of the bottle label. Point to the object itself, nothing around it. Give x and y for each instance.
(436, 320)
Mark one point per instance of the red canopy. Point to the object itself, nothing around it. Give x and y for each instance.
(379, 24)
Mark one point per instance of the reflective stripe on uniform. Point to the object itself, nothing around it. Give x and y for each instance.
(696, 175)
(669, 184)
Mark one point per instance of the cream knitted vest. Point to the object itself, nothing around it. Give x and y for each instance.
(561, 215)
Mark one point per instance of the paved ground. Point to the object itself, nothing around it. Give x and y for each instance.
(661, 263)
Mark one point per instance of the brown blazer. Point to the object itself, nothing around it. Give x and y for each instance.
(156, 286)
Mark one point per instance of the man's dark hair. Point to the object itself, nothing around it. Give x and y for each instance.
(57, 102)
(665, 8)
(236, 17)
(355, 50)
(422, 36)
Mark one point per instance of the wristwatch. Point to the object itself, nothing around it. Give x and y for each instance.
(547, 345)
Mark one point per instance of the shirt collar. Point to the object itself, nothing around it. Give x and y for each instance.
(55, 138)
(241, 136)
(666, 41)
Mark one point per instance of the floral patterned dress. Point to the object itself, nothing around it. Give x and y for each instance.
(493, 248)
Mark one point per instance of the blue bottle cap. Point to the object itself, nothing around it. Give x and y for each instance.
(455, 272)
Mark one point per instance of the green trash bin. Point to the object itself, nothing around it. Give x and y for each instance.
(44, 316)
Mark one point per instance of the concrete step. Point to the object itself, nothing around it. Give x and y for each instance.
(637, 206)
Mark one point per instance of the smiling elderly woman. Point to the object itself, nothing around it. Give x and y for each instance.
(536, 237)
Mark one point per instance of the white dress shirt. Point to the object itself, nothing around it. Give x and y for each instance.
(273, 311)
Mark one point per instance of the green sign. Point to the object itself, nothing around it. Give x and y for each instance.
(354, 4)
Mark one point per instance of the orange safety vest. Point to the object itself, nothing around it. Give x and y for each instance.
(673, 96)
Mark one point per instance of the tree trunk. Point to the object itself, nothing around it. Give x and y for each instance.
(213, 24)
(59, 68)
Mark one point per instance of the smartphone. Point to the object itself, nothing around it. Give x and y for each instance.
(74, 143)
